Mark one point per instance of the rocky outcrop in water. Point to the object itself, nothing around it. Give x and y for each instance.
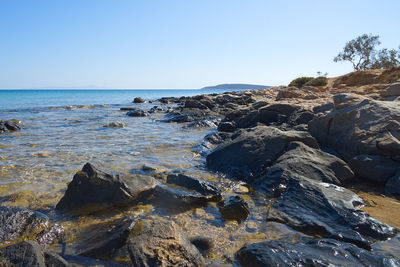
(9, 126)
(162, 243)
(92, 189)
(234, 208)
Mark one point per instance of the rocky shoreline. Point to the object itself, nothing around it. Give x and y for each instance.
(300, 150)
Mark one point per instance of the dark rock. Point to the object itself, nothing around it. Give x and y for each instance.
(234, 208)
(137, 113)
(217, 137)
(115, 125)
(92, 189)
(128, 109)
(276, 113)
(392, 186)
(323, 108)
(29, 253)
(138, 100)
(190, 103)
(202, 186)
(313, 164)
(327, 210)
(101, 241)
(254, 149)
(160, 109)
(375, 168)
(173, 198)
(163, 243)
(227, 126)
(203, 244)
(9, 126)
(259, 104)
(20, 223)
(202, 123)
(314, 252)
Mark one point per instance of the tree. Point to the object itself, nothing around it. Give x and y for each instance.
(359, 51)
(362, 54)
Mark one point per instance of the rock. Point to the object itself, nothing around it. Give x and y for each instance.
(203, 244)
(314, 164)
(309, 252)
(101, 241)
(323, 108)
(374, 168)
(163, 243)
(217, 137)
(19, 223)
(325, 210)
(115, 125)
(392, 186)
(159, 109)
(9, 126)
(392, 90)
(252, 150)
(234, 208)
(138, 100)
(359, 125)
(137, 113)
(176, 199)
(276, 113)
(227, 126)
(202, 186)
(29, 253)
(92, 189)
(202, 123)
(128, 108)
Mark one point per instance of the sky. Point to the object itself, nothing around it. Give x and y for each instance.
(181, 44)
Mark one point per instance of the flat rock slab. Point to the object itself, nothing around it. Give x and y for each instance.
(92, 189)
(163, 243)
(314, 252)
(102, 240)
(252, 150)
(202, 186)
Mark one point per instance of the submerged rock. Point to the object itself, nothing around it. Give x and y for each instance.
(19, 223)
(250, 151)
(101, 241)
(30, 253)
(92, 189)
(313, 252)
(9, 126)
(163, 243)
(115, 125)
(234, 208)
(202, 186)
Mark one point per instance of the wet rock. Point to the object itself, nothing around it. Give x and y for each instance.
(136, 113)
(314, 252)
(202, 186)
(375, 168)
(128, 108)
(115, 125)
(217, 137)
(327, 210)
(314, 164)
(19, 223)
(163, 243)
(92, 189)
(202, 123)
(176, 199)
(9, 126)
(392, 186)
(250, 151)
(101, 241)
(138, 100)
(227, 126)
(359, 125)
(234, 208)
(49, 235)
(160, 109)
(29, 253)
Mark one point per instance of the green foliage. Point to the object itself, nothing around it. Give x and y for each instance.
(319, 81)
(362, 54)
(299, 82)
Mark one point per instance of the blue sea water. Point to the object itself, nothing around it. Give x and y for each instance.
(23, 99)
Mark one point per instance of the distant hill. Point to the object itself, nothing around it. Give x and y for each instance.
(235, 86)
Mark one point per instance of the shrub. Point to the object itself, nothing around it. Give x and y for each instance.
(299, 82)
(319, 81)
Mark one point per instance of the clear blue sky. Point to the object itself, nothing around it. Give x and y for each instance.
(181, 44)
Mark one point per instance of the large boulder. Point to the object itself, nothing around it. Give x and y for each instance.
(163, 243)
(19, 223)
(9, 126)
(359, 125)
(309, 252)
(92, 189)
(252, 150)
(234, 208)
(30, 253)
(323, 209)
(101, 241)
